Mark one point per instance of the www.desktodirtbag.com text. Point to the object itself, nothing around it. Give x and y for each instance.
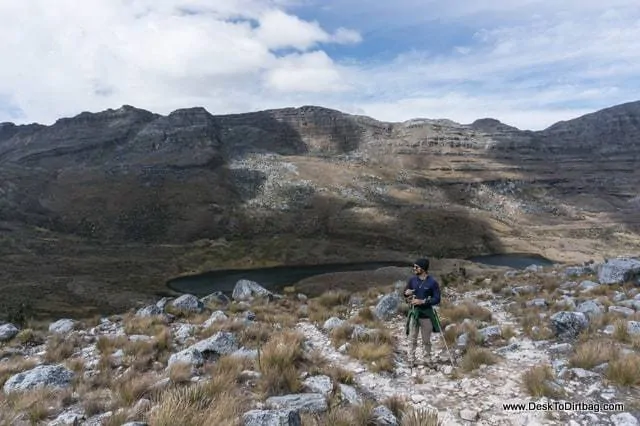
(563, 406)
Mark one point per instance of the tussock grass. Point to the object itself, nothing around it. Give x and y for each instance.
(474, 357)
(625, 370)
(279, 361)
(129, 388)
(378, 356)
(36, 405)
(538, 382)
(30, 337)
(59, 347)
(148, 326)
(592, 353)
(14, 366)
(108, 345)
(457, 313)
(180, 373)
(333, 298)
(199, 405)
(421, 417)
(397, 404)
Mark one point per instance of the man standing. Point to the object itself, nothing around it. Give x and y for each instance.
(422, 292)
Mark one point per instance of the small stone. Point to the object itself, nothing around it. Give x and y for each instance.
(62, 326)
(624, 419)
(8, 332)
(469, 415)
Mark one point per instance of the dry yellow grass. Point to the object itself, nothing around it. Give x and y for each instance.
(538, 382)
(378, 356)
(148, 326)
(13, 366)
(625, 370)
(279, 361)
(456, 313)
(180, 373)
(474, 357)
(421, 417)
(592, 353)
(131, 387)
(198, 405)
(37, 404)
(59, 347)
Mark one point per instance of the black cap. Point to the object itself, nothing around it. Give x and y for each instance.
(423, 264)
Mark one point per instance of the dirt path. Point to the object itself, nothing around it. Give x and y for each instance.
(479, 395)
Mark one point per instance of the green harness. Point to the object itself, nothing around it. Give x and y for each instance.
(415, 314)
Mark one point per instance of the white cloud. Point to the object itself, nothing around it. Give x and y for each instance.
(530, 63)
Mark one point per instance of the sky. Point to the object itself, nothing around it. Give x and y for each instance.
(528, 63)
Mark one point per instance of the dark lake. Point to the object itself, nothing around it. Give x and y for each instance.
(277, 277)
(512, 260)
(273, 278)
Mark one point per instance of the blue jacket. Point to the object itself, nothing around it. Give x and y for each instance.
(429, 288)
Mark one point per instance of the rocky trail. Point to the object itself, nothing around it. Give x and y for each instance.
(478, 398)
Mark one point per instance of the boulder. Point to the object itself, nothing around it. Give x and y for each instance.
(568, 324)
(8, 332)
(319, 384)
(388, 306)
(384, 417)
(577, 270)
(62, 326)
(149, 311)
(332, 323)
(633, 328)
(588, 285)
(624, 419)
(618, 271)
(246, 290)
(621, 310)
(590, 308)
(222, 343)
(272, 418)
(536, 303)
(187, 303)
(217, 316)
(349, 394)
(215, 298)
(303, 402)
(50, 376)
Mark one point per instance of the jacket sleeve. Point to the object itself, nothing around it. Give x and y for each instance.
(435, 299)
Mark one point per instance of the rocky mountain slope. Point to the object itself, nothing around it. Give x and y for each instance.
(100, 197)
(561, 344)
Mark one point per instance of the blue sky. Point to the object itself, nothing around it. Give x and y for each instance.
(528, 63)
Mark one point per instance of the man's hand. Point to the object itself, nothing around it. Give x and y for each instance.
(417, 302)
(408, 292)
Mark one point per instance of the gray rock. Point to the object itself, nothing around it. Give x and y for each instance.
(162, 303)
(560, 348)
(588, 285)
(633, 327)
(69, 417)
(618, 296)
(8, 332)
(245, 353)
(318, 384)
(361, 333)
(188, 303)
(388, 306)
(534, 268)
(618, 271)
(624, 419)
(136, 424)
(633, 304)
(250, 316)
(216, 298)
(184, 332)
(573, 271)
(62, 326)
(246, 290)
(490, 333)
(149, 311)
(568, 285)
(590, 308)
(349, 394)
(469, 415)
(217, 316)
(524, 289)
(222, 343)
(332, 323)
(303, 402)
(303, 311)
(569, 324)
(566, 301)
(356, 300)
(302, 297)
(49, 376)
(537, 303)
(609, 329)
(384, 417)
(187, 356)
(621, 310)
(272, 418)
